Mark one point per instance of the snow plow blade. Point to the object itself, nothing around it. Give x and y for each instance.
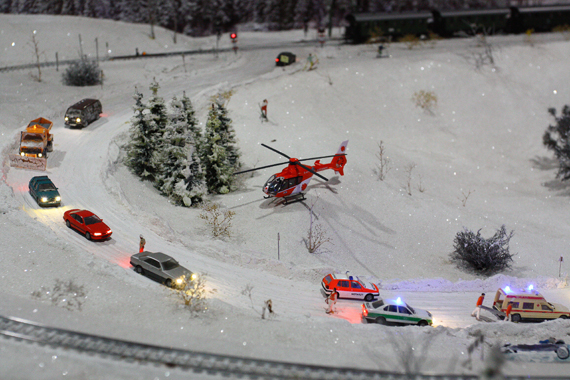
(24, 162)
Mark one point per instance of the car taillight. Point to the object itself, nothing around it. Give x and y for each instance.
(364, 310)
(276, 59)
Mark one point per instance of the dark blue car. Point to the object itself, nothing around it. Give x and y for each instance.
(44, 191)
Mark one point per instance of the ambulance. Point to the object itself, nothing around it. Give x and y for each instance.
(528, 305)
(350, 287)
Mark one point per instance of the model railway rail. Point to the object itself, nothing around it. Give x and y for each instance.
(199, 362)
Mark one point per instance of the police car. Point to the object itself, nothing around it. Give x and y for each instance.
(349, 287)
(395, 311)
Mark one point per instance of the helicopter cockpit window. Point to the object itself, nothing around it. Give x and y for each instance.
(275, 185)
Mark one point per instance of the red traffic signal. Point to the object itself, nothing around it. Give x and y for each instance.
(233, 36)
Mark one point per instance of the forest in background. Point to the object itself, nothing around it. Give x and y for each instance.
(206, 17)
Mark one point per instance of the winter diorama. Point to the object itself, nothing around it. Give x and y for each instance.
(152, 227)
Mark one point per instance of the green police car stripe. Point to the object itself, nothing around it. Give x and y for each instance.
(396, 318)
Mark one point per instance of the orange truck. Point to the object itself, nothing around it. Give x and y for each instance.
(35, 142)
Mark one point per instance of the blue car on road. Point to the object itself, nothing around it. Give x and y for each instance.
(44, 191)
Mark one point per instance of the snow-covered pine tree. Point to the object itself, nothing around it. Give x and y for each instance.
(157, 121)
(227, 135)
(556, 138)
(140, 149)
(215, 154)
(147, 131)
(180, 178)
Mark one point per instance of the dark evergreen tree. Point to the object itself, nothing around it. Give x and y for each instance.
(148, 127)
(482, 256)
(140, 149)
(227, 134)
(557, 139)
(215, 155)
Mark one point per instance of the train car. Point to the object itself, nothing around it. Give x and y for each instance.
(467, 22)
(541, 19)
(362, 26)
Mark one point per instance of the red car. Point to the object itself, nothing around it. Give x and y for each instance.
(87, 223)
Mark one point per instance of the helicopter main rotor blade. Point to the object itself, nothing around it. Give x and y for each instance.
(309, 169)
(275, 150)
(317, 158)
(263, 167)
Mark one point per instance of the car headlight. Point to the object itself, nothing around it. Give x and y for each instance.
(66, 118)
(78, 120)
(179, 281)
(22, 154)
(57, 199)
(109, 231)
(193, 276)
(39, 154)
(97, 234)
(44, 199)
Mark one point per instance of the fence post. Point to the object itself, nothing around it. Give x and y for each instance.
(56, 62)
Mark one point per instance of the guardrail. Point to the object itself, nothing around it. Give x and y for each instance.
(215, 364)
(167, 54)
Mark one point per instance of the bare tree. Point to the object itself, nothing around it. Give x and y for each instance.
(410, 355)
(408, 169)
(383, 162)
(465, 197)
(317, 236)
(267, 305)
(37, 54)
(426, 100)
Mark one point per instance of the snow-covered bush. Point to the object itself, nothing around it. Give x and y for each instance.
(219, 221)
(426, 100)
(482, 256)
(556, 138)
(65, 294)
(82, 73)
(192, 291)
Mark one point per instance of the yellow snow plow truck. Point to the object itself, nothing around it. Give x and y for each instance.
(35, 142)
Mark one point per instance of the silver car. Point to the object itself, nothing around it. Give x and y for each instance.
(160, 267)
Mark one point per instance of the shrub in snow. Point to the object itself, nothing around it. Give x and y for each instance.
(219, 222)
(557, 139)
(82, 73)
(193, 293)
(66, 294)
(426, 100)
(483, 256)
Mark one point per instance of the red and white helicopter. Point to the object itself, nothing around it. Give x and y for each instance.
(294, 179)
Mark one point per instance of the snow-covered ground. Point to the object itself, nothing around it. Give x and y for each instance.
(484, 139)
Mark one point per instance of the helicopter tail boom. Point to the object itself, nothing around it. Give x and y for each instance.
(338, 161)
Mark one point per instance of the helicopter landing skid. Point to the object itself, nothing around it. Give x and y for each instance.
(295, 198)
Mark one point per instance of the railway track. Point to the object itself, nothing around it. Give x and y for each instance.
(199, 362)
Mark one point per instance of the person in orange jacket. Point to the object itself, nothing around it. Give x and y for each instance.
(477, 312)
(331, 300)
(141, 244)
(508, 313)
